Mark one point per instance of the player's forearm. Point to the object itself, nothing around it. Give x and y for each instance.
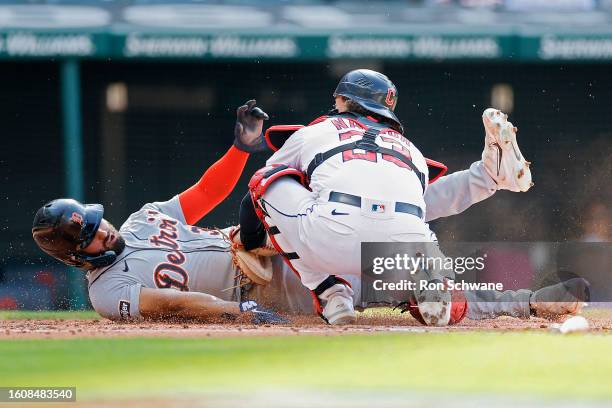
(203, 306)
(214, 186)
(456, 192)
(171, 304)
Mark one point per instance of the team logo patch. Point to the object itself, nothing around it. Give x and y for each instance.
(77, 218)
(124, 309)
(378, 208)
(391, 98)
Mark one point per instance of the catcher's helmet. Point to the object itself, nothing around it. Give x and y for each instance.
(62, 228)
(372, 91)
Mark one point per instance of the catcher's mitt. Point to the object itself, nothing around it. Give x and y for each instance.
(266, 249)
(253, 266)
(258, 269)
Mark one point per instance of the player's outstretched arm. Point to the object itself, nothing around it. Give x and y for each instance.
(171, 303)
(220, 179)
(455, 193)
(215, 185)
(167, 304)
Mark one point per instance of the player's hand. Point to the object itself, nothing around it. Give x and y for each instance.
(248, 135)
(260, 314)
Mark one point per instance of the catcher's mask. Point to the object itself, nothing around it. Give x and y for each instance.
(64, 227)
(372, 91)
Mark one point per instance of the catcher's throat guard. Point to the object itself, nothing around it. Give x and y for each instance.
(276, 136)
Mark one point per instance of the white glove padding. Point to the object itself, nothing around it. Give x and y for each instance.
(502, 157)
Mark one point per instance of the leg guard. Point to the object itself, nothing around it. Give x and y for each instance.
(258, 185)
(264, 177)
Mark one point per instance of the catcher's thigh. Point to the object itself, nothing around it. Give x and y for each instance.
(322, 238)
(291, 213)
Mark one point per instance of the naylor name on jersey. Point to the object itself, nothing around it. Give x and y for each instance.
(168, 274)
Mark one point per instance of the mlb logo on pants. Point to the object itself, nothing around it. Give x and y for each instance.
(378, 208)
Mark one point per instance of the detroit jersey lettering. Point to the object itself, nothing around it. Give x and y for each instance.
(162, 251)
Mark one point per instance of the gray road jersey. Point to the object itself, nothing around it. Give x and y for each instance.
(162, 251)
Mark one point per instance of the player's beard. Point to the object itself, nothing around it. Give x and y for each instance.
(119, 244)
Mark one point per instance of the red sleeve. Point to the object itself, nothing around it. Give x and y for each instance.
(214, 186)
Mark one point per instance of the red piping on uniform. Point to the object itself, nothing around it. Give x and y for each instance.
(318, 120)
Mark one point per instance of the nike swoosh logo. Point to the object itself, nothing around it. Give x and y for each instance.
(334, 212)
(126, 267)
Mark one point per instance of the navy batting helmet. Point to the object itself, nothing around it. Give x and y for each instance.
(63, 227)
(372, 91)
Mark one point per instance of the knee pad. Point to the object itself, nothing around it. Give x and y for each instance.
(265, 176)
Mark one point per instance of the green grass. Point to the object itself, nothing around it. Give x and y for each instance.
(48, 315)
(492, 363)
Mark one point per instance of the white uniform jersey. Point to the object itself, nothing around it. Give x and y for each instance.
(162, 251)
(357, 172)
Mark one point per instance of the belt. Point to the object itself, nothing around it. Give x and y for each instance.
(355, 201)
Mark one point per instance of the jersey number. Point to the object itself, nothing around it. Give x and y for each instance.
(372, 156)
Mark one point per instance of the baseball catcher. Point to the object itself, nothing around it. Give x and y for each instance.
(353, 177)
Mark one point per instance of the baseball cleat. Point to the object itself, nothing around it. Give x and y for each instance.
(434, 305)
(502, 157)
(564, 298)
(339, 307)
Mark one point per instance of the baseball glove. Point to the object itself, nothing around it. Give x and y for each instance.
(266, 249)
(252, 266)
(258, 269)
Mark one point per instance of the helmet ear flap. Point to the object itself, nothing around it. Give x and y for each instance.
(99, 261)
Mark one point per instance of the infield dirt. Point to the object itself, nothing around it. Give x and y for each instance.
(600, 321)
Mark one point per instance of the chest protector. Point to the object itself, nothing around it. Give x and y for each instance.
(366, 143)
(276, 136)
